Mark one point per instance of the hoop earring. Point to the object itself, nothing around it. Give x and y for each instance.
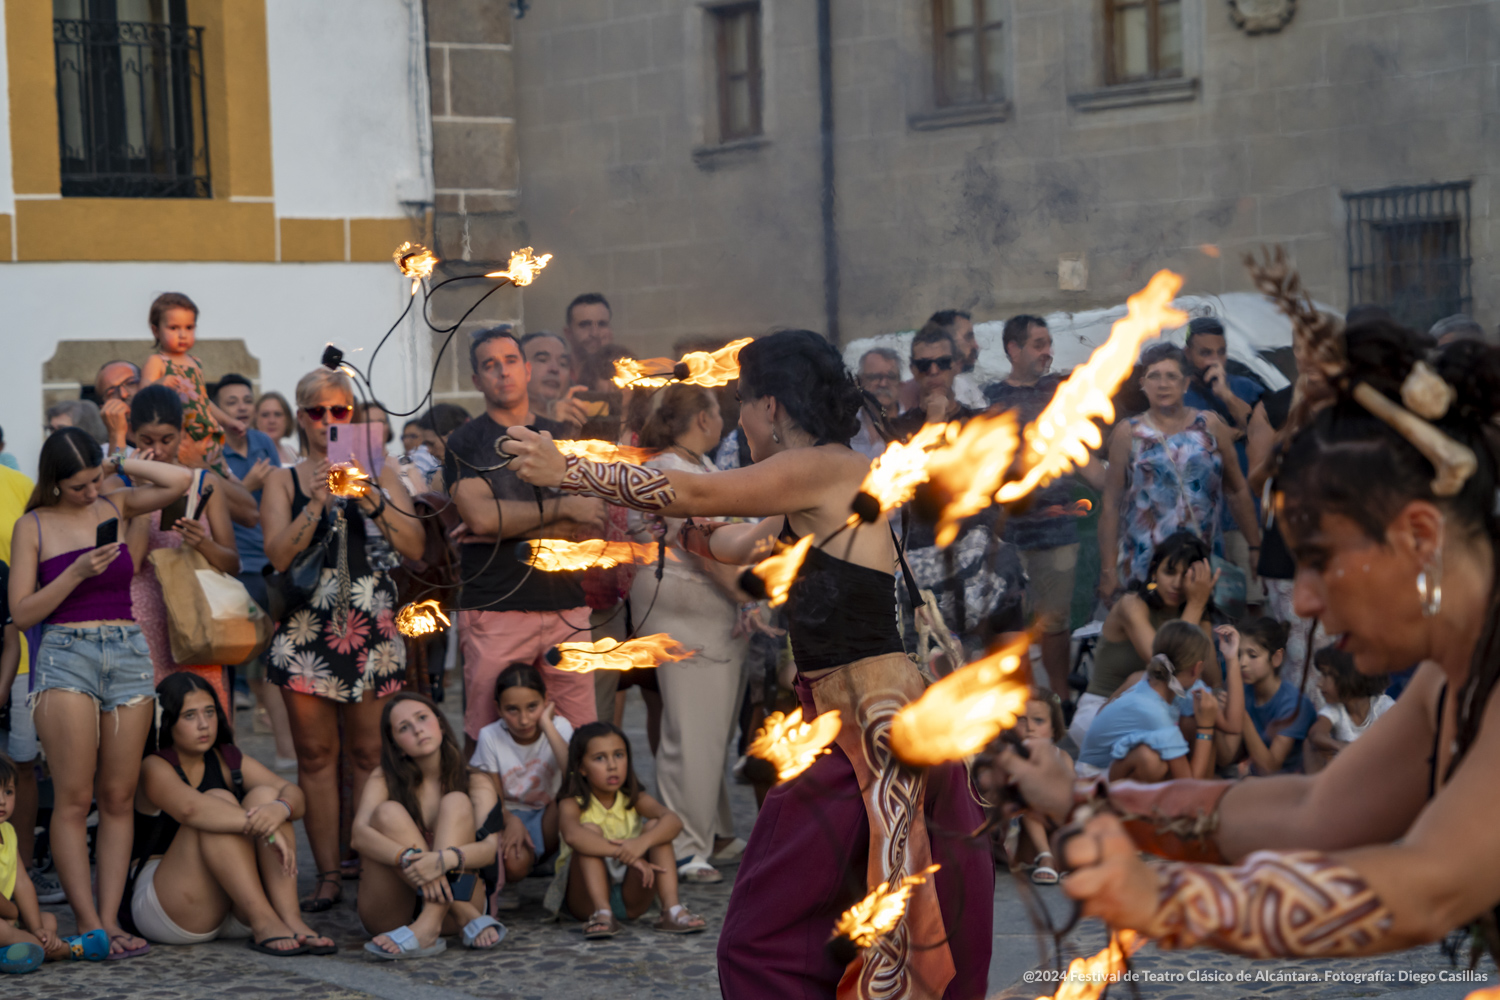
(1430, 589)
(775, 437)
(56, 491)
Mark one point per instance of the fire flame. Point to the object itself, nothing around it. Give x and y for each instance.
(719, 368)
(611, 654)
(551, 555)
(421, 618)
(1078, 508)
(1065, 430)
(778, 571)
(902, 467)
(416, 262)
(1088, 978)
(604, 451)
(345, 479)
(523, 268)
(970, 468)
(962, 712)
(792, 745)
(880, 911)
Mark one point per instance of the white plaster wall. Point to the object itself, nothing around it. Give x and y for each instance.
(285, 313)
(348, 106)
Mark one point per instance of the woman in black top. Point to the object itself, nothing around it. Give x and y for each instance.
(214, 838)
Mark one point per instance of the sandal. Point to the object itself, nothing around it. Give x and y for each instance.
(90, 947)
(478, 926)
(115, 956)
(601, 925)
(21, 958)
(405, 939)
(264, 947)
(685, 922)
(318, 949)
(1044, 874)
(322, 904)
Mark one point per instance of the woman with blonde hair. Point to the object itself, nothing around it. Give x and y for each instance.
(273, 418)
(338, 658)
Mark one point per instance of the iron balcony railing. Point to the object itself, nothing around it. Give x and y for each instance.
(131, 109)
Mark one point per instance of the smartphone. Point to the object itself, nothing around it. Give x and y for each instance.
(360, 444)
(107, 533)
(190, 504)
(462, 885)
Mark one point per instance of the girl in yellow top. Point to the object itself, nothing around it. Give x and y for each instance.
(27, 935)
(616, 855)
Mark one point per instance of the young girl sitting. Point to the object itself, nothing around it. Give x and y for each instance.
(1043, 720)
(1279, 715)
(1354, 700)
(415, 833)
(617, 841)
(27, 935)
(1136, 736)
(526, 751)
(174, 325)
(214, 835)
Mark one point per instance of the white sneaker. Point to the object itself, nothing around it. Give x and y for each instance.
(48, 889)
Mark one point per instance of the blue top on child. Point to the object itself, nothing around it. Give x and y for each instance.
(1288, 713)
(1135, 717)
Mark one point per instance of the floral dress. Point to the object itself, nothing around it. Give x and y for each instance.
(1171, 484)
(202, 437)
(334, 652)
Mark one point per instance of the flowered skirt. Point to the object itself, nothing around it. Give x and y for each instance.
(309, 655)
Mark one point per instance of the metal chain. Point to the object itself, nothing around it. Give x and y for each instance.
(341, 603)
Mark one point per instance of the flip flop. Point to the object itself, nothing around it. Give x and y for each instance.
(21, 958)
(115, 956)
(264, 947)
(90, 947)
(318, 949)
(405, 938)
(476, 927)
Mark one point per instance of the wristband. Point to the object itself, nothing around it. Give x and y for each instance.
(621, 483)
(285, 803)
(404, 858)
(460, 857)
(1205, 736)
(374, 515)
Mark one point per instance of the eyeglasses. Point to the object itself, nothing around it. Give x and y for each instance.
(1170, 378)
(925, 365)
(118, 391)
(883, 377)
(338, 414)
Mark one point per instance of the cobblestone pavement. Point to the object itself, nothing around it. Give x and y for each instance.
(544, 960)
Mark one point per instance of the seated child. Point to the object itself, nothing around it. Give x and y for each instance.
(27, 935)
(1136, 736)
(526, 750)
(1354, 700)
(1043, 720)
(617, 841)
(1279, 715)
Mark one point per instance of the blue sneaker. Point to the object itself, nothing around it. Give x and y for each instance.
(18, 959)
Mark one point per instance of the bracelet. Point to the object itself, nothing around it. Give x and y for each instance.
(403, 860)
(375, 515)
(1205, 736)
(285, 803)
(460, 857)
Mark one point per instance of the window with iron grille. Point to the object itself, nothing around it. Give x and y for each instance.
(1142, 40)
(1409, 251)
(737, 60)
(130, 100)
(969, 54)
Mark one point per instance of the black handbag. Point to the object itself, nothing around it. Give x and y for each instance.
(290, 590)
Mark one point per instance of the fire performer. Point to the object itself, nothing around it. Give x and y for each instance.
(1387, 496)
(856, 817)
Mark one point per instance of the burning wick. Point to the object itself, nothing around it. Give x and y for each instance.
(347, 480)
(604, 451)
(894, 476)
(523, 268)
(421, 618)
(962, 712)
(790, 745)
(878, 913)
(416, 262)
(771, 579)
(696, 368)
(551, 555)
(1088, 978)
(611, 654)
(968, 470)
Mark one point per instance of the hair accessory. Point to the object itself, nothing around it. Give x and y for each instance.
(1454, 462)
(1425, 393)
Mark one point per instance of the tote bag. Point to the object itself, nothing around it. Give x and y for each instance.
(211, 618)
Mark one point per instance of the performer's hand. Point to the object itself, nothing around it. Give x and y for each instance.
(538, 461)
(1109, 878)
(1045, 780)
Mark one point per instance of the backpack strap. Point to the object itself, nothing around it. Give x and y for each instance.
(235, 759)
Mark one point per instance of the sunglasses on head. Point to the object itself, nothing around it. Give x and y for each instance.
(338, 414)
(925, 365)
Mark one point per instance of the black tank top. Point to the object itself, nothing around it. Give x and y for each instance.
(154, 834)
(838, 611)
(359, 563)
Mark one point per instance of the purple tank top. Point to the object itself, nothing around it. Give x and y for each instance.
(105, 597)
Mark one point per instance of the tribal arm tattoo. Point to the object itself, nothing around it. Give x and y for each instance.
(1276, 904)
(622, 483)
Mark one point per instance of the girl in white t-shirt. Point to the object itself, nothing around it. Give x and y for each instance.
(1354, 701)
(526, 750)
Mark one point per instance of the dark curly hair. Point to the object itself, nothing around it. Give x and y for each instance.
(1178, 550)
(805, 374)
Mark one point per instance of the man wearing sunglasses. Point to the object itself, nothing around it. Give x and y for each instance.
(934, 364)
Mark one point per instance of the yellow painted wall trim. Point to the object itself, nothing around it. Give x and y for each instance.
(376, 239)
(237, 80)
(144, 229)
(312, 239)
(36, 164)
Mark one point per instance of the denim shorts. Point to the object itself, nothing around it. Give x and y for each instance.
(109, 663)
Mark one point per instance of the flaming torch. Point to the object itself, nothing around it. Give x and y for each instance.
(878, 913)
(523, 268)
(894, 476)
(696, 368)
(968, 470)
(552, 555)
(1088, 978)
(345, 479)
(421, 618)
(962, 712)
(416, 262)
(790, 745)
(774, 575)
(1060, 437)
(611, 654)
(604, 451)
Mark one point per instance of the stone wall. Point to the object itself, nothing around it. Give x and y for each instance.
(622, 181)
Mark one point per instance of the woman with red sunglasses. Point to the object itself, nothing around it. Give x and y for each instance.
(339, 658)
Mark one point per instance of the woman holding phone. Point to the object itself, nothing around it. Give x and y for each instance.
(340, 657)
(93, 684)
